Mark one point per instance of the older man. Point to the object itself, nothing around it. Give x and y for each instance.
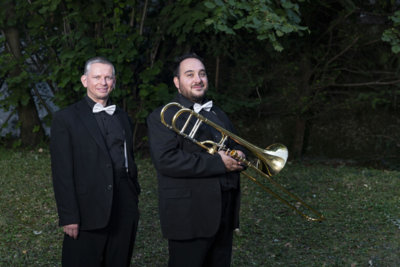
(94, 174)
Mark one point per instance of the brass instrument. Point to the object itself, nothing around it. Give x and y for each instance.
(270, 161)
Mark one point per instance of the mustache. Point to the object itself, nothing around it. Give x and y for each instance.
(198, 84)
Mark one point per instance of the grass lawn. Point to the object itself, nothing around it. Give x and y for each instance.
(361, 206)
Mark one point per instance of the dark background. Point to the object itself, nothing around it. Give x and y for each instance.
(321, 77)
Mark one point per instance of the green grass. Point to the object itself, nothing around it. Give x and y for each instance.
(361, 207)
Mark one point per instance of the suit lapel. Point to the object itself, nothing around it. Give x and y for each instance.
(124, 123)
(86, 115)
(125, 126)
(121, 119)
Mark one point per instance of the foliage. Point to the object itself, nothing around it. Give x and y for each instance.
(392, 35)
(59, 36)
(11, 63)
(334, 59)
(341, 67)
(360, 205)
(185, 20)
(268, 19)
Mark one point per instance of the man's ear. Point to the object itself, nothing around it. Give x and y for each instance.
(84, 80)
(176, 82)
(115, 82)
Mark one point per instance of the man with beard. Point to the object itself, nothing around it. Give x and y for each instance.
(199, 193)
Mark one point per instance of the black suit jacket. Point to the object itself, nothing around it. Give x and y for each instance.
(188, 179)
(83, 176)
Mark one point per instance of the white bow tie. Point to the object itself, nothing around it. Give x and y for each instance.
(99, 107)
(207, 106)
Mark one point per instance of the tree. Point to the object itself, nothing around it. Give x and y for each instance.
(284, 67)
(19, 79)
(341, 67)
(58, 37)
(392, 35)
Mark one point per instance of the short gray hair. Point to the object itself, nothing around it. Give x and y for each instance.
(101, 60)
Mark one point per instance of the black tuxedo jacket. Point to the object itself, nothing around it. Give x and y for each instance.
(82, 170)
(188, 179)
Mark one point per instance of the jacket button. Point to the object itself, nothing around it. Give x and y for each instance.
(109, 187)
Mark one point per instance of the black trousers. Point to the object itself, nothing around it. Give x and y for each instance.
(113, 245)
(215, 251)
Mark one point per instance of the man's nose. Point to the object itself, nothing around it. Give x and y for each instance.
(197, 78)
(104, 81)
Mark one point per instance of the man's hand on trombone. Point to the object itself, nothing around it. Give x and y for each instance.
(232, 164)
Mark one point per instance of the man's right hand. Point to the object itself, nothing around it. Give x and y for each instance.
(231, 164)
(72, 230)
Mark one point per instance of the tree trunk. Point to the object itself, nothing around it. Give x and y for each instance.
(301, 124)
(298, 140)
(216, 73)
(31, 130)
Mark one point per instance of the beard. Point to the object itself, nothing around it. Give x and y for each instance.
(198, 99)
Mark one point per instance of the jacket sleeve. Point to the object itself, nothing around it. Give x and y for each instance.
(61, 151)
(171, 160)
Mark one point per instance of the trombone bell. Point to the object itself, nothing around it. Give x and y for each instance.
(273, 159)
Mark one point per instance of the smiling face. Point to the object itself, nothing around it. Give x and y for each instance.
(99, 82)
(192, 81)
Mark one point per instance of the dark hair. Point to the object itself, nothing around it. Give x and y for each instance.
(102, 60)
(178, 61)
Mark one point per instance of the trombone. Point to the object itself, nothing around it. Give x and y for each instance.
(270, 161)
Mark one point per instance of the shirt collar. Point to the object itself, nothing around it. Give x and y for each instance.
(91, 103)
(186, 102)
